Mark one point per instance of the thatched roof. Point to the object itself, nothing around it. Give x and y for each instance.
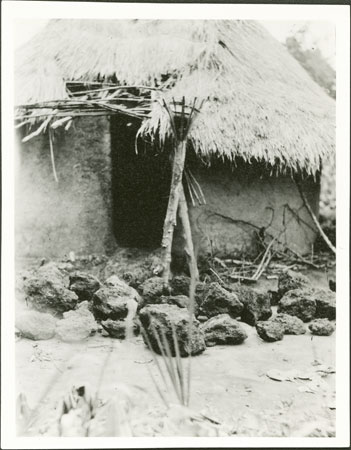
(261, 103)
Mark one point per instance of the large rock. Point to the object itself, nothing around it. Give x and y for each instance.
(135, 278)
(220, 301)
(120, 329)
(325, 303)
(133, 266)
(270, 331)
(109, 303)
(52, 270)
(291, 280)
(35, 325)
(324, 300)
(300, 303)
(152, 289)
(156, 319)
(123, 289)
(180, 285)
(76, 325)
(322, 327)
(84, 285)
(257, 306)
(46, 290)
(223, 329)
(291, 324)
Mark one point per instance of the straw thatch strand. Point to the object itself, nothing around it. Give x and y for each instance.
(261, 104)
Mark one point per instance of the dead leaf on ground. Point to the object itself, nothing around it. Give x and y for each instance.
(325, 370)
(281, 375)
(304, 376)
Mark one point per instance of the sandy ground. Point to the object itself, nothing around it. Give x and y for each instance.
(229, 383)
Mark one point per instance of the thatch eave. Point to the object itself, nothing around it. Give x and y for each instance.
(260, 103)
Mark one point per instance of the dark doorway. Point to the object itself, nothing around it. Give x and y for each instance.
(140, 186)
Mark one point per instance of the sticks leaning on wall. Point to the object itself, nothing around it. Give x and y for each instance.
(313, 216)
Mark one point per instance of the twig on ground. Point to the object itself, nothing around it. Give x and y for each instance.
(35, 412)
(264, 261)
(261, 270)
(217, 276)
(242, 278)
(220, 262)
(238, 262)
(301, 258)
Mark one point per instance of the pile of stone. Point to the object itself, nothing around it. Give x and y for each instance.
(167, 312)
(298, 303)
(75, 305)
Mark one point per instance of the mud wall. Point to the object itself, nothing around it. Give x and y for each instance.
(242, 204)
(74, 214)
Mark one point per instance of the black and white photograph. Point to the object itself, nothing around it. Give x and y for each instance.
(175, 225)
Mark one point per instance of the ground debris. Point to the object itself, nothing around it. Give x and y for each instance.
(320, 427)
(40, 355)
(279, 375)
(325, 370)
(309, 381)
(310, 385)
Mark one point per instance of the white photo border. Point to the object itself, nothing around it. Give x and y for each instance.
(31, 10)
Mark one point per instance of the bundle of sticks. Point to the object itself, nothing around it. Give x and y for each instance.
(111, 99)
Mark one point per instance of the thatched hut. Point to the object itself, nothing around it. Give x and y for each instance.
(263, 124)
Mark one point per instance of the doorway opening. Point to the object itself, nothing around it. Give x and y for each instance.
(140, 186)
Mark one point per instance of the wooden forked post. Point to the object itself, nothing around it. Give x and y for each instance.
(173, 202)
(189, 245)
(177, 202)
